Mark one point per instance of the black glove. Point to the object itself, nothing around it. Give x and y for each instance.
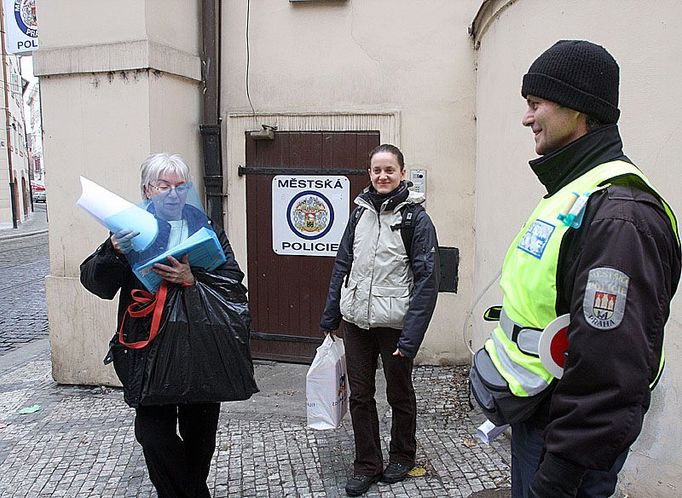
(556, 478)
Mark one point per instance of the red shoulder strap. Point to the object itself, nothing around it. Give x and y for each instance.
(143, 304)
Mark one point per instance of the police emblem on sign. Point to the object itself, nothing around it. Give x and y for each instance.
(25, 16)
(605, 295)
(536, 238)
(310, 215)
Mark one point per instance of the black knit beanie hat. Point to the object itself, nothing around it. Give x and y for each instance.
(577, 74)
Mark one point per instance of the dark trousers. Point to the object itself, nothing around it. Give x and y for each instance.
(527, 448)
(178, 465)
(363, 348)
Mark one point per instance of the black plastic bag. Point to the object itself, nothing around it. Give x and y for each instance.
(201, 353)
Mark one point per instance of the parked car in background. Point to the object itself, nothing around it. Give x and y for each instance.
(39, 193)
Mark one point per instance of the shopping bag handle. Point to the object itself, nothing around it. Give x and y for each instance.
(145, 303)
(330, 334)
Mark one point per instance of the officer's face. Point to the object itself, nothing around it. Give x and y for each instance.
(553, 125)
(385, 173)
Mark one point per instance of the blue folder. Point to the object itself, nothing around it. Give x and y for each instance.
(204, 251)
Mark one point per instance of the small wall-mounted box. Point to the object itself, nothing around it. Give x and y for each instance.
(418, 179)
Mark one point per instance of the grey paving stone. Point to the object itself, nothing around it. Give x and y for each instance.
(81, 442)
(24, 263)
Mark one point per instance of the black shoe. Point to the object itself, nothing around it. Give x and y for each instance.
(359, 484)
(395, 472)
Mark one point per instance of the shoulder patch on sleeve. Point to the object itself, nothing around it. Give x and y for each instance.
(605, 295)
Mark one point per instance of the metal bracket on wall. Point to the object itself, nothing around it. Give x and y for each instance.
(267, 133)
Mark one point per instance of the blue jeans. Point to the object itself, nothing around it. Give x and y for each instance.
(526, 448)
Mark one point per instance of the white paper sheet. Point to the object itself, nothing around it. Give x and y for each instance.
(489, 431)
(116, 213)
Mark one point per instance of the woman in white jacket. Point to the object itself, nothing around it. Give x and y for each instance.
(383, 291)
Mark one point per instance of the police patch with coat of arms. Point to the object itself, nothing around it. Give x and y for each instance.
(605, 295)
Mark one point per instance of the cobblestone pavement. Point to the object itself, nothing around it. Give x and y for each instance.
(81, 442)
(24, 263)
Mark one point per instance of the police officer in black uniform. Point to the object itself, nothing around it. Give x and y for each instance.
(575, 444)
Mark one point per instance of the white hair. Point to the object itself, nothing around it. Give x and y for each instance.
(155, 165)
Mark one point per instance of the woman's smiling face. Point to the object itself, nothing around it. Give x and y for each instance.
(385, 172)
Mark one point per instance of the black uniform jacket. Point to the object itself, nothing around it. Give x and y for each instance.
(597, 408)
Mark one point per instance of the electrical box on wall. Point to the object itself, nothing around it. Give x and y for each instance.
(418, 179)
(449, 269)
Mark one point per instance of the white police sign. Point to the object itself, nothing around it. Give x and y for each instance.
(21, 26)
(309, 214)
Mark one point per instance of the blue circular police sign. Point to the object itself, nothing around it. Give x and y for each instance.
(310, 215)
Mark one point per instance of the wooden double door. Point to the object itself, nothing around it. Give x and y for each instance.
(287, 293)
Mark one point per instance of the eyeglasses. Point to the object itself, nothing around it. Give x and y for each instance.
(164, 188)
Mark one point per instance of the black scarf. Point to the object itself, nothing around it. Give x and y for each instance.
(394, 197)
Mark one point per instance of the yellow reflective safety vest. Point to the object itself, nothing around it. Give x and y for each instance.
(529, 276)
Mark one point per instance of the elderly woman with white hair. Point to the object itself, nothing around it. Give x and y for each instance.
(178, 463)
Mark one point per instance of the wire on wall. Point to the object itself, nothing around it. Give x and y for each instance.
(248, 55)
(470, 312)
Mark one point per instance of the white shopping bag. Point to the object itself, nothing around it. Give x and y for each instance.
(327, 385)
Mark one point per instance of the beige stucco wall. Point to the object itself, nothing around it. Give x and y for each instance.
(645, 41)
(81, 23)
(328, 64)
(117, 82)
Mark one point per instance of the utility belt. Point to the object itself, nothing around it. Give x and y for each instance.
(490, 389)
(526, 338)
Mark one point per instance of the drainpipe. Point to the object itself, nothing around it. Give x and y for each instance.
(13, 200)
(210, 129)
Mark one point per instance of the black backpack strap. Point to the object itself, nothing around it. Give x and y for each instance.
(354, 217)
(406, 226)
